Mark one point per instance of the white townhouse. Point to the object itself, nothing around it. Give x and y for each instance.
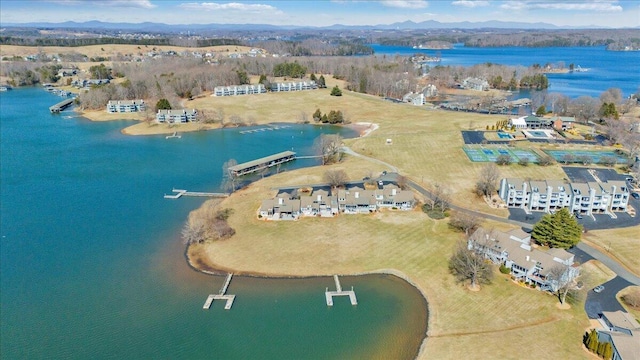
(354, 200)
(234, 90)
(551, 195)
(176, 116)
(527, 263)
(115, 106)
(293, 86)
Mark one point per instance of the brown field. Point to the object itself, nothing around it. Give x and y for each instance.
(635, 312)
(107, 50)
(413, 245)
(622, 244)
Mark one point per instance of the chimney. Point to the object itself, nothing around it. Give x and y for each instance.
(319, 198)
(528, 258)
(280, 201)
(393, 191)
(356, 195)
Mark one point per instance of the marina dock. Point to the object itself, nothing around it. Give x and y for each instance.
(339, 292)
(180, 193)
(221, 296)
(61, 106)
(259, 164)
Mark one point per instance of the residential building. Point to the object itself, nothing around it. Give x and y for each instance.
(415, 99)
(526, 262)
(475, 84)
(114, 106)
(239, 90)
(551, 195)
(293, 86)
(354, 200)
(622, 331)
(562, 123)
(176, 116)
(429, 91)
(518, 123)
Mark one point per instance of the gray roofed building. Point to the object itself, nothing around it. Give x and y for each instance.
(622, 331)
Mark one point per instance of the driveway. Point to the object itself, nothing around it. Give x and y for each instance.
(606, 300)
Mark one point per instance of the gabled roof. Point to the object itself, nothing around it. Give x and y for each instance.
(621, 319)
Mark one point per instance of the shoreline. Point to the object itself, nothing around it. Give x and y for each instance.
(221, 271)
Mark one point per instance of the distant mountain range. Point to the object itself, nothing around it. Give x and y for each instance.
(406, 25)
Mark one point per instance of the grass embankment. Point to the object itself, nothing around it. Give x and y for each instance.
(621, 244)
(462, 323)
(634, 311)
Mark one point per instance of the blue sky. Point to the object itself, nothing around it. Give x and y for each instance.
(606, 13)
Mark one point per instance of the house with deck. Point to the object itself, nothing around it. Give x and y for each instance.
(234, 90)
(293, 86)
(526, 262)
(622, 331)
(477, 84)
(176, 116)
(122, 106)
(586, 198)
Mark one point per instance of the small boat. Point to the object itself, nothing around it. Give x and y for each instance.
(175, 135)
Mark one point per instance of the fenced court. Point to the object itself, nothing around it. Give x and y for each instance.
(579, 156)
(490, 154)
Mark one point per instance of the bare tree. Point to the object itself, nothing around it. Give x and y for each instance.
(562, 280)
(193, 232)
(335, 178)
(329, 147)
(464, 221)
(440, 197)
(486, 184)
(466, 264)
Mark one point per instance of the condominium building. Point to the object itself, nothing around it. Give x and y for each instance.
(551, 195)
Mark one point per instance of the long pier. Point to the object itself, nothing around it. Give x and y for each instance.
(339, 292)
(180, 193)
(221, 296)
(262, 163)
(61, 106)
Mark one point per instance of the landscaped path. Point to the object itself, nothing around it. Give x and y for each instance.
(592, 251)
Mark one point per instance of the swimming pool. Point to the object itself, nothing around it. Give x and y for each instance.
(503, 135)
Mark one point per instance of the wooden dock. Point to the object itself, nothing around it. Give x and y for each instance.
(262, 163)
(339, 292)
(180, 193)
(221, 296)
(61, 106)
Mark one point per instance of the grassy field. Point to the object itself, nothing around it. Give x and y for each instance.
(622, 244)
(107, 50)
(635, 312)
(415, 246)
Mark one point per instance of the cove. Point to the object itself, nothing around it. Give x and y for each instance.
(92, 265)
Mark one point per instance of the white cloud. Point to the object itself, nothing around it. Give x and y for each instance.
(211, 6)
(470, 3)
(145, 4)
(405, 4)
(595, 5)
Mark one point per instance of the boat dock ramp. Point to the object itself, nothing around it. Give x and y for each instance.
(339, 292)
(270, 128)
(61, 106)
(221, 296)
(180, 193)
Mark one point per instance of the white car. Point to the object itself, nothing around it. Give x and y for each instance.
(598, 289)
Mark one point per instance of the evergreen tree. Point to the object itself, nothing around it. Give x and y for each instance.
(592, 341)
(336, 91)
(542, 110)
(600, 351)
(163, 104)
(607, 352)
(321, 82)
(317, 115)
(313, 77)
(325, 119)
(559, 230)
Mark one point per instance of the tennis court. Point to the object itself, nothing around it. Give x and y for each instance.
(579, 156)
(490, 154)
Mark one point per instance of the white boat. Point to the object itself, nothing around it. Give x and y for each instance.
(580, 69)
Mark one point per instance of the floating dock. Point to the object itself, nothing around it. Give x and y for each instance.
(61, 106)
(259, 164)
(339, 292)
(180, 193)
(221, 296)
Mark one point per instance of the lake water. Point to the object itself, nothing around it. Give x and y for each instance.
(606, 69)
(92, 266)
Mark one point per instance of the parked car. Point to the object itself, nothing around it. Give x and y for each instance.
(578, 216)
(635, 196)
(598, 289)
